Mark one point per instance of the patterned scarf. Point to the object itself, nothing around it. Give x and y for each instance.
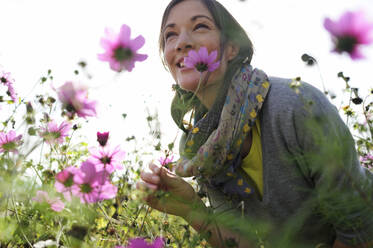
(212, 147)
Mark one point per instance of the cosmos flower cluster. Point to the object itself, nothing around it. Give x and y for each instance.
(91, 181)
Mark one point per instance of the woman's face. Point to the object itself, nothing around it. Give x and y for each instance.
(190, 26)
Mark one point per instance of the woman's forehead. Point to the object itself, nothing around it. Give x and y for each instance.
(188, 10)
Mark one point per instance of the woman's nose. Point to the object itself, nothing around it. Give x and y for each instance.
(184, 42)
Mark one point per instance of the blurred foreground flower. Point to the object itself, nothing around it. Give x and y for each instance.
(165, 160)
(120, 50)
(367, 161)
(54, 134)
(106, 158)
(9, 142)
(91, 185)
(202, 61)
(75, 101)
(141, 243)
(350, 32)
(56, 204)
(102, 138)
(6, 80)
(65, 181)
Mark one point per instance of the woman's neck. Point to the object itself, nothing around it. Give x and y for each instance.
(207, 94)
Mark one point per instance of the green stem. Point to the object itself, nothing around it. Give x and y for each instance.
(133, 222)
(19, 222)
(68, 144)
(109, 219)
(216, 225)
(367, 119)
(148, 210)
(37, 173)
(58, 237)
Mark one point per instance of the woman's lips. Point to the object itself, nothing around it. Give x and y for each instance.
(185, 69)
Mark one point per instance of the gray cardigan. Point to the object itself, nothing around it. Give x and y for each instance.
(314, 189)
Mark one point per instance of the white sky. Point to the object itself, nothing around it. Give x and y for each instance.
(39, 35)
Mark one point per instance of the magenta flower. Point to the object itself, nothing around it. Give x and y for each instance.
(56, 204)
(106, 158)
(141, 243)
(74, 100)
(202, 61)
(350, 32)
(91, 185)
(54, 134)
(367, 161)
(165, 160)
(65, 181)
(10, 141)
(6, 80)
(120, 50)
(102, 138)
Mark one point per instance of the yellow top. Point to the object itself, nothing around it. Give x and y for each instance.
(252, 164)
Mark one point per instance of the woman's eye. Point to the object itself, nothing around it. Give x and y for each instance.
(200, 25)
(169, 34)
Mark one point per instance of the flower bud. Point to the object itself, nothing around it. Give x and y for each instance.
(102, 138)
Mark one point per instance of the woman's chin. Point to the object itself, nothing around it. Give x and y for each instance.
(189, 86)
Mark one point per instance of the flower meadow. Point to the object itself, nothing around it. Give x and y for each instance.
(56, 190)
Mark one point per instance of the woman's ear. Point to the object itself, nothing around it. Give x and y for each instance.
(231, 50)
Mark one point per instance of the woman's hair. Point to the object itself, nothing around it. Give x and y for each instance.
(230, 31)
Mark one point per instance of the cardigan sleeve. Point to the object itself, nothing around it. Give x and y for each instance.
(342, 188)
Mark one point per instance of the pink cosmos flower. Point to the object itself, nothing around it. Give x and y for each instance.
(367, 161)
(102, 138)
(56, 204)
(6, 80)
(165, 160)
(9, 141)
(54, 134)
(91, 185)
(75, 101)
(350, 32)
(65, 181)
(202, 61)
(106, 158)
(120, 50)
(141, 243)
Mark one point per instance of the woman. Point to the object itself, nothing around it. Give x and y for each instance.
(259, 146)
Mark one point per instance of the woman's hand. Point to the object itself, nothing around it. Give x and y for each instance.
(169, 193)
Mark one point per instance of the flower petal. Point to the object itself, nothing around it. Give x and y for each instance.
(203, 54)
(137, 43)
(158, 243)
(189, 62)
(57, 205)
(137, 243)
(214, 66)
(125, 34)
(193, 55)
(140, 57)
(212, 57)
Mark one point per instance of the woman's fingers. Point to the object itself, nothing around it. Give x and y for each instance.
(150, 177)
(155, 168)
(146, 186)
